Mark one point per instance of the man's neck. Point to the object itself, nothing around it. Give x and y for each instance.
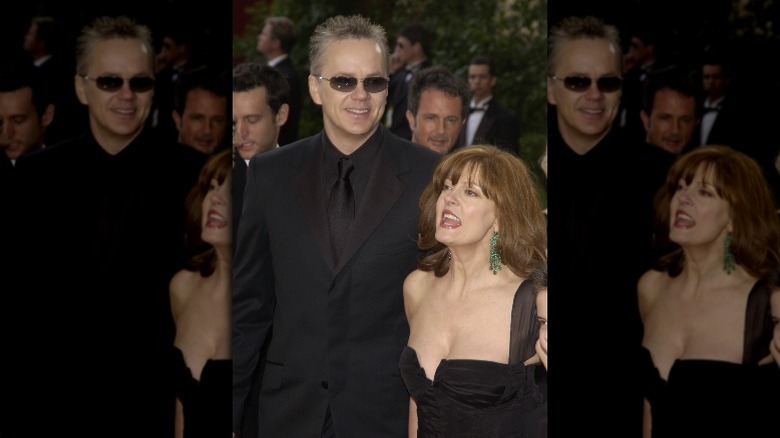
(580, 144)
(113, 144)
(348, 143)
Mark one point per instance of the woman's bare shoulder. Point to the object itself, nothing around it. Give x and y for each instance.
(649, 287)
(415, 286)
(181, 286)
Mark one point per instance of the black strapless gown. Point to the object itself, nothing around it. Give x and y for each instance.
(711, 398)
(207, 403)
(479, 398)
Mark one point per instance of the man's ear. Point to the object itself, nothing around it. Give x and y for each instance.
(48, 115)
(412, 121)
(314, 90)
(550, 93)
(81, 93)
(177, 119)
(645, 120)
(282, 114)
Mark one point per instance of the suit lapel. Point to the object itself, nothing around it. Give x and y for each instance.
(308, 189)
(486, 125)
(382, 191)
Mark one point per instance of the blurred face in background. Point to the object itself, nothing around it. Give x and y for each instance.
(255, 126)
(204, 120)
(21, 127)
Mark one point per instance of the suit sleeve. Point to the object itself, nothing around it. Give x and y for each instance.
(254, 298)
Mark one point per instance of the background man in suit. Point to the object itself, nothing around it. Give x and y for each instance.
(276, 42)
(412, 46)
(25, 111)
(325, 242)
(44, 43)
(669, 111)
(200, 109)
(261, 107)
(438, 107)
(488, 122)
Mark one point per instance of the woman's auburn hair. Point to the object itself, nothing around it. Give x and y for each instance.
(739, 180)
(204, 259)
(506, 181)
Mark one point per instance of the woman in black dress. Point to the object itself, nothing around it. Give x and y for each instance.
(470, 364)
(200, 301)
(705, 308)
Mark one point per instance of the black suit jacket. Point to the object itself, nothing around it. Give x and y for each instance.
(498, 127)
(398, 99)
(105, 233)
(338, 330)
(289, 131)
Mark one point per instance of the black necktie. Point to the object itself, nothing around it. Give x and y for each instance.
(476, 108)
(341, 207)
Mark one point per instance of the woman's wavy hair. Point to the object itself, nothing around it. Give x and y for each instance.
(738, 179)
(204, 260)
(507, 182)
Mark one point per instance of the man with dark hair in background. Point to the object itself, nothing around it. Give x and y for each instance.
(276, 42)
(413, 47)
(200, 109)
(488, 122)
(438, 106)
(670, 111)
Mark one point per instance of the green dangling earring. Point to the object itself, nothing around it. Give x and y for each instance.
(495, 256)
(729, 261)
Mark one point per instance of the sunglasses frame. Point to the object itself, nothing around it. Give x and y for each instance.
(348, 88)
(581, 89)
(102, 86)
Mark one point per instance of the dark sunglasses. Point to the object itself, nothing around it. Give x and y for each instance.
(348, 84)
(111, 84)
(607, 84)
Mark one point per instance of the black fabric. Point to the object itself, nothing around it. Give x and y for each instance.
(338, 329)
(98, 238)
(600, 239)
(705, 397)
(341, 207)
(480, 398)
(206, 402)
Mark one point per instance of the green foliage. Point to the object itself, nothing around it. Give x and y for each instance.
(512, 32)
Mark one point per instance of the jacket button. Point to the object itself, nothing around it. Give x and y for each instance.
(324, 384)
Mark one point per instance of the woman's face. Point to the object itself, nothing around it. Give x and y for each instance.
(541, 313)
(464, 216)
(215, 221)
(698, 215)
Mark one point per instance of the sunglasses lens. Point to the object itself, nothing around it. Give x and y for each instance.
(609, 84)
(375, 85)
(141, 84)
(109, 83)
(343, 83)
(577, 83)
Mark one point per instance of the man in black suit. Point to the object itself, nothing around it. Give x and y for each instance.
(261, 108)
(488, 121)
(326, 239)
(412, 46)
(600, 202)
(276, 42)
(43, 42)
(100, 233)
